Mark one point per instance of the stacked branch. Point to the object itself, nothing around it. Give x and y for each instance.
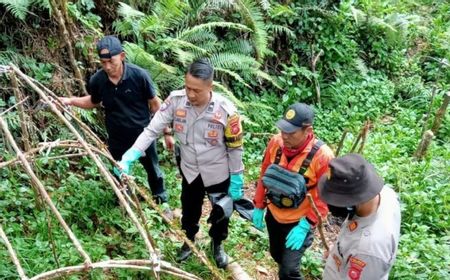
(92, 151)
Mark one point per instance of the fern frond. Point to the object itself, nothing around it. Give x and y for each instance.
(281, 10)
(263, 75)
(200, 35)
(43, 4)
(254, 19)
(170, 43)
(18, 8)
(234, 61)
(233, 74)
(126, 11)
(237, 46)
(139, 56)
(184, 57)
(211, 25)
(171, 13)
(361, 66)
(265, 4)
(220, 4)
(219, 88)
(280, 29)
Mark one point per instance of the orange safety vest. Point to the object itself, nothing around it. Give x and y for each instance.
(318, 167)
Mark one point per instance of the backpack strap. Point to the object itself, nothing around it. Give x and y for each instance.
(278, 156)
(309, 158)
(306, 162)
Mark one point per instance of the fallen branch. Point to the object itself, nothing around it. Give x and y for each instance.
(440, 114)
(126, 264)
(341, 142)
(320, 221)
(180, 234)
(314, 60)
(14, 106)
(42, 191)
(65, 34)
(106, 174)
(12, 254)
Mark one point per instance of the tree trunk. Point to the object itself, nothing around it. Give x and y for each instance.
(424, 143)
(440, 114)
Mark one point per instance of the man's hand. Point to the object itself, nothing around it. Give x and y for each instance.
(258, 218)
(127, 159)
(236, 184)
(65, 100)
(297, 235)
(170, 142)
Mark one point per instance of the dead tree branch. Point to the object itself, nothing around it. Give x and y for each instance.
(106, 174)
(12, 254)
(440, 114)
(320, 221)
(70, 50)
(42, 191)
(127, 264)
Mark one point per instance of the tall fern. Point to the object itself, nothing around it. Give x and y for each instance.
(18, 8)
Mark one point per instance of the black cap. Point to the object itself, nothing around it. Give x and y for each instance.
(296, 116)
(351, 180)
(112, 44)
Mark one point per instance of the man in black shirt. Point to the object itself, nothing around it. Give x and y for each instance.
(127, 94)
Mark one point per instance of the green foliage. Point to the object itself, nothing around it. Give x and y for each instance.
(381, 61)
(172, 35)
(18, 8)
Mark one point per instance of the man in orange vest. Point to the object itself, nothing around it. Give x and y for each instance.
(293, 163)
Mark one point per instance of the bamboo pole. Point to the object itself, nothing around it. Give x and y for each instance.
(12, 254)
(365, 131)
(320, 221)
(83, 126)
(43, 192)
(341, 142)
(94, 157)
(180, 234)
(126, 264)
(65, 35)
(440, 114)
(14, 106)
(23, 119)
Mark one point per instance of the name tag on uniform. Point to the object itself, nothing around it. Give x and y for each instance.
(181, 113)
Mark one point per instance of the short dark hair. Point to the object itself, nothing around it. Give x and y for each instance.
(201, 69)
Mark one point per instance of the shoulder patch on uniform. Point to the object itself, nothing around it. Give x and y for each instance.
(356, 267)
(233, 131)
(353, 225)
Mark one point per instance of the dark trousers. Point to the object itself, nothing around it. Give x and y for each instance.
(151, 165)
(192, 201)
(288, 260)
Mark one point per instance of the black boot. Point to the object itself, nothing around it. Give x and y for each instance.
(184, 252)
(220, 256)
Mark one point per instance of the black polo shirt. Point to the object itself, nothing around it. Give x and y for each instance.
(126, 104)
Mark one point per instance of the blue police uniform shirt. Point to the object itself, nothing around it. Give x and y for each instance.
(125, 104)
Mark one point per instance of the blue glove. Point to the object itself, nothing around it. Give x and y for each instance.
(297, 235)
(258, 218)
(236, 184)
(127, 159)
